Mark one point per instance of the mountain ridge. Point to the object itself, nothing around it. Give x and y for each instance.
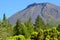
(47, 11)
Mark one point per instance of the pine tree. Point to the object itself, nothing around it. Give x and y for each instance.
(39, 23)
(0, 24)
(24, 31)
(17, 27)
(4, 21)
(29, 25)
(10, 28)
(8, 24)
(4, 18)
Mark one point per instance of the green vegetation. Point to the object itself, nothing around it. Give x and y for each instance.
(39, 23)
(17, 27)
(28, 30)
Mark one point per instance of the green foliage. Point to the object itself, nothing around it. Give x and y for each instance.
(4, 18)
(33, 35)
(5, 29)
(5, 32)
(58, 28)
(28, 30)
(20, 37)
(16, 28)
(47, 37)
(39, 23)
(24, 31)
(0, 38)
(29, 27)
(4, 23)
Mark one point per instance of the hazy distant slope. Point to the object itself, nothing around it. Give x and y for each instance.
(49, 13)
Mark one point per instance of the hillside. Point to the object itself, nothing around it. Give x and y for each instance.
(50, 13)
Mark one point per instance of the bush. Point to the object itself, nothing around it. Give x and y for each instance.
(20, 37)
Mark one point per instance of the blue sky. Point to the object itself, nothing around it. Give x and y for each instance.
(9, 7)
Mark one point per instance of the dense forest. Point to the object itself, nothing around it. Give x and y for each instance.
(28, 30)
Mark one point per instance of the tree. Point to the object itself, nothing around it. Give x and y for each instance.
(29, 25)
(4, 21)
(17, 27)
(38, 23)
(9, 29)
(24, 31)
(9, 24)
(58, 28)
(4, 18)
(0, 24)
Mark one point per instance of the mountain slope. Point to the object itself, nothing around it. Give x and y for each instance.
(49, 13)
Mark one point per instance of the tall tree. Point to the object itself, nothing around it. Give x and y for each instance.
(17, 27)
(4, 18)
(9, 24)
(38, 23)
(29, 25)
(4, 21)
(24, 31)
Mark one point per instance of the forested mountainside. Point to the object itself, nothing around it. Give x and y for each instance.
(39, 21)
(28, 30)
